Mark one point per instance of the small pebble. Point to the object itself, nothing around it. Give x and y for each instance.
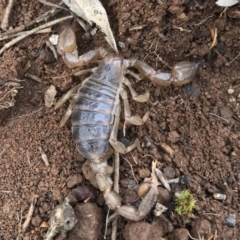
(184, 180)
(180, 234)
(232, 100)
(144, 173)
(219, 196)
(231, 219)
(36, 221)
(121, 44)
(230, 91)
(159, 209)
(142, 230)
(169, 172)
(57, 195)
(74, 180)
(85, 192)
(163, 195)
(201, 228)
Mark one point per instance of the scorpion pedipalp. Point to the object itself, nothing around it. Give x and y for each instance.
(182, 72)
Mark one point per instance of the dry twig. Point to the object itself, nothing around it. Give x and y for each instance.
(43, 17)
(214, 34)
(131, 169)
(116, 188)
(224, 119)
(28, 33)
(227, 64)
(46, 30)
(203, 21)
(44, 157)
(33, 77)
(5, 21)
(30, 213)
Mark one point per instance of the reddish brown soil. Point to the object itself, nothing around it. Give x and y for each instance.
(191, 119)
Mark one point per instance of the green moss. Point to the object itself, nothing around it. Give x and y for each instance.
(185, 203)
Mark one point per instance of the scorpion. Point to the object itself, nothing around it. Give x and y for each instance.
(95, 112)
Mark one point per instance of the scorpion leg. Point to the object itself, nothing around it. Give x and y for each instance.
(139, 98)
(118, 146)
(135, 120)
(182, 72)
(67, 96)
(113, 199)
(67, 115)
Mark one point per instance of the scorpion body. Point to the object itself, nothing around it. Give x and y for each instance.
(96, 109)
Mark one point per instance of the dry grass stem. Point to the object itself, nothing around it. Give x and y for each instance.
(131, 169)
(28, 33)
(5, 20)
(46, 30)
(116, 188)
(30, 213)
(44, 157)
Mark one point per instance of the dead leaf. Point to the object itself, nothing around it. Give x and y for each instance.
(226, 3)
(50, 96)
(92, 11)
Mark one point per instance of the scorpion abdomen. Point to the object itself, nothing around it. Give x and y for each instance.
(94, 110)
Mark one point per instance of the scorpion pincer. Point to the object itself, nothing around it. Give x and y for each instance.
(95, 112)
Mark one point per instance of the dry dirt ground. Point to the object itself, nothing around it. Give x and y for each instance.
(200, 121)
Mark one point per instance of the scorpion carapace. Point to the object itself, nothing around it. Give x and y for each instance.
(96, 112)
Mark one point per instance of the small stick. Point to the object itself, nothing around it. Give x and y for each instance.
(52, 4)
(224, 11)
(138, 27)
(33, 77)
(181, 29)
(5, 21)
(167, 149)
(28, 33)
(131, 169)
(214, 36)
(29, 160)
(41, 18)
(46, 30)
(52, 48)
(227, 64)
(5, 191)
(8, 93)
(215, 115)
(19, 225)
(163, 179)
(30, 213)
(26, 115)
(204, 20)
(106, 224)
(2, 152)
(44, 156)
(116, 188)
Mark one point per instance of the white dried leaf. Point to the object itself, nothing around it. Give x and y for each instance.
(226, 3)
(50, 96)
(92, 11)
